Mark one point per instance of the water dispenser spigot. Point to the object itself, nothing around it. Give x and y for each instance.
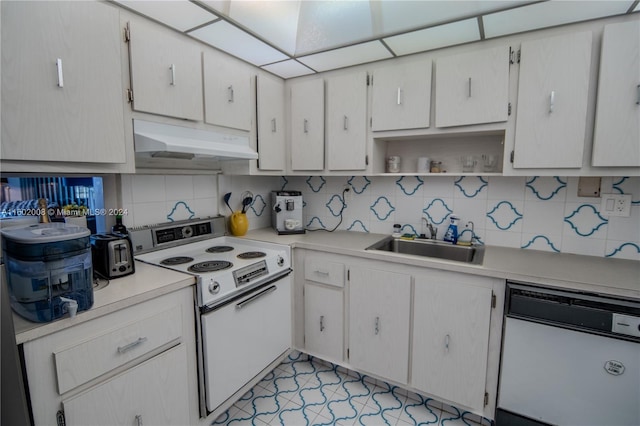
(70, 305)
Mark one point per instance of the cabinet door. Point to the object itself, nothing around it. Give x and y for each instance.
(323, 321)
(153, 393)
(379, 304)
(473, 87)
(62, 97)
(401, 96)
(552, 102)
(450, 338)
(616, 139)
(166, 72)
(307, 126)
(271, 138)
(347, 122)
(227, 88)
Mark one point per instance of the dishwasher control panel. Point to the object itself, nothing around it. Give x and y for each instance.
(626, 324)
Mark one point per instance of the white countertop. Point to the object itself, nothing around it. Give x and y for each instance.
(146, 283)
(615, 277)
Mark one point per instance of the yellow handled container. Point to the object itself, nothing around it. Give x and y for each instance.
(238, 224)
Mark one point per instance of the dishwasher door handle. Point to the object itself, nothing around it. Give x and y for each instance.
(256, 297)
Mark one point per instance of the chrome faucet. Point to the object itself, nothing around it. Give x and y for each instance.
(433, 232)
(473, 232)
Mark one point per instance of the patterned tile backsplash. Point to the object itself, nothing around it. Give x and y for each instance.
(539, 213)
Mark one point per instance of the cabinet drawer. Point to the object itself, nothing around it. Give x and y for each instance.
(85, 361)
(324, 272)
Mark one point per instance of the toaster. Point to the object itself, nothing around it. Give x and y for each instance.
(112, 255)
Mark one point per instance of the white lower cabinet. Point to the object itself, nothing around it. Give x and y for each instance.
(379, 304)
(451, 321)
(324, 321)
(131, 367)
(153, 393)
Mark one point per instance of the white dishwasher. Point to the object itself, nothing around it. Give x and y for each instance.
(569, 358)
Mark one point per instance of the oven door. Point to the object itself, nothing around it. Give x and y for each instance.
(243, 336)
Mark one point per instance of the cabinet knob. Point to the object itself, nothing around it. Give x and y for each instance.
(60, 76)
(446, 342)
(377, 326)
(321, 323)
(172, 68)
(552, 101)
(230, 91)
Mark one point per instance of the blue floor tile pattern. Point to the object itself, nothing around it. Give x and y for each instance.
(306, 391)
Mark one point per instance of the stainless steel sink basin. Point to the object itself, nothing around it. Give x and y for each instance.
(431, 248)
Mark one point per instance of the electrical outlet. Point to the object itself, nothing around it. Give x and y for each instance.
(616, 205)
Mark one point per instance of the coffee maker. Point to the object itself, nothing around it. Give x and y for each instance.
(286, 215)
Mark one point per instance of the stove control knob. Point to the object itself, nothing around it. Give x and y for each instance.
(187, 232)
(214, 287)
(280, 261)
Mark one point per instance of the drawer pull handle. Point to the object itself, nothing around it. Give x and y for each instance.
(399, 97)
(60, 75)
(138, 419)
(321, 323)
(446, 343)
(173, 74)
(255, 297)
(326, 274)
(552, 101)
(273, 125)
(377, 327)
(638, 95)
(345, 123)
(469, 87)
(230, 89)
(305, 126)
(125, 348)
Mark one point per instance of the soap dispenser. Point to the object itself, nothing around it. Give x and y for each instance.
(452, 232)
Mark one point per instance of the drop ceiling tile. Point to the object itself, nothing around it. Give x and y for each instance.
(236, 42)
(435, 37)
(548, 14)
(181, 15)
(273, 21)
(288, 69)
(347, 56)
(397, 16)
(325, 24)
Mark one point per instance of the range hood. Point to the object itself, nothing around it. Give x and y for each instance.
(156, 140)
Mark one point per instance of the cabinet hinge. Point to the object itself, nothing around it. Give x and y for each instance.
(60, 420)
(511, 55)
(509, 109)
(518, 56)
(493, 300)
(486, 398)
(129, 95)
(513, 153)
(127, 33)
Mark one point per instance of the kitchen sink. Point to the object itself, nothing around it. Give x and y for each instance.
(431, 248)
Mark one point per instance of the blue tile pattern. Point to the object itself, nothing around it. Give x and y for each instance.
(471, 186)
(437, 211)
(382, 208)
(359, 183)
(619, 185)
(409, 184)
(180, 205)
(633, 246)
(258, 205)
(336, 205)
(504, 215)
(357, 224)
(543, 238)
(316, 183)
(585, 220)
(306, 391)
(545, 193)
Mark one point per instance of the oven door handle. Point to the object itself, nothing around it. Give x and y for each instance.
(256, 297)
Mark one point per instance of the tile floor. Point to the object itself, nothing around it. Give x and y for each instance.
(305, 391)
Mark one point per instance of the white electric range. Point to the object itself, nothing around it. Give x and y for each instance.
(243, 304)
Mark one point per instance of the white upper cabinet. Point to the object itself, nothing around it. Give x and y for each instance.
(401, 96)
(347, 122)
(616, 140)
(227, 91)
(166, 71)
(552, 101)
(472, 88)
(62, 88)
(271, 134)
(307, 126)
(379, 305)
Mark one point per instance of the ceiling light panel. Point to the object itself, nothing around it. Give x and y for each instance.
(347, 56)
(325, 24)
(274, 21)
(435, 37)
(236, 42)
(181, 15)
(288, 69)
(548, 14)
(398, 16)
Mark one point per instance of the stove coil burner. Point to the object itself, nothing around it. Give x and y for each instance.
(219, 249)
(177, 260)
(251, 255)
(210, 266)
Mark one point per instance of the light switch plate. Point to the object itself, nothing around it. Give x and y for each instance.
(616, 205)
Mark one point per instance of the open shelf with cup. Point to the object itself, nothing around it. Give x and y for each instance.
(474, 154)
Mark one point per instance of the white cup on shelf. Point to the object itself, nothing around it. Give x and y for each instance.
(424, 164)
